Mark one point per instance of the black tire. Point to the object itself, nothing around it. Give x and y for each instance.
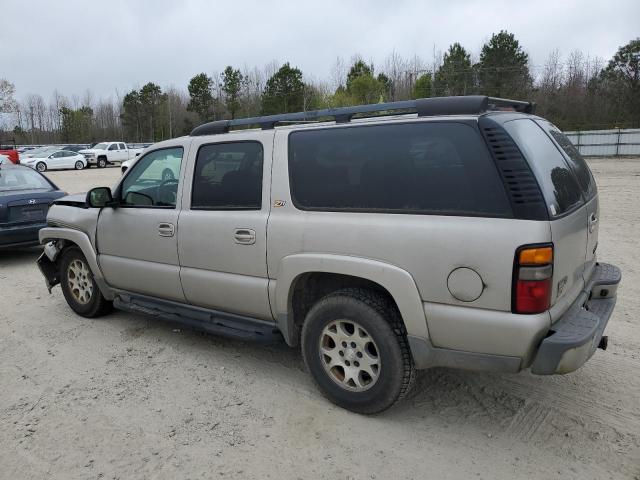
(382, 323)
(79, 165)
(102, 162)
(96, 305)
(41, 167)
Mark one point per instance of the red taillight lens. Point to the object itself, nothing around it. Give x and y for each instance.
(533, 296)
(532, 279)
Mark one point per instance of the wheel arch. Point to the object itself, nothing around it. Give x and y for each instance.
(296, 271)
(81, 240)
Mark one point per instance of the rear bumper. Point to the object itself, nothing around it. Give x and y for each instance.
(20, 235)
(573, 339)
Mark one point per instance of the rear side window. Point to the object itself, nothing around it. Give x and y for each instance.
(556, 179)
(577, 163)
(228, 176)
(422, 168)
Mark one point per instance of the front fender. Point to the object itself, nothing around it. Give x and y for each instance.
(398, 282)
(83, 242)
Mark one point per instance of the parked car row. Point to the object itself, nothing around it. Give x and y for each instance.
(51, 157)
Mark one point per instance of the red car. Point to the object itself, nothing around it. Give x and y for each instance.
(8, 148)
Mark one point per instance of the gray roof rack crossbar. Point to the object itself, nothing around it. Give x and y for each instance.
(424, 107)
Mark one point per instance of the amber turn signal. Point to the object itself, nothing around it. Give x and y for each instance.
(536, 256)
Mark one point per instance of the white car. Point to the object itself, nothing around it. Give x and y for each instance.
(56, 160)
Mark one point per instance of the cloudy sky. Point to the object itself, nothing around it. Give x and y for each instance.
(117, 45)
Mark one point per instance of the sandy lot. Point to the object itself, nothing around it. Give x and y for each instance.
(128, 397)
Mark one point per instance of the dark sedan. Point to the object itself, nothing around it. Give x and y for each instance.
(25, 196)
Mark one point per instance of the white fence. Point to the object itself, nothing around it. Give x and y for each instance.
(607, 143)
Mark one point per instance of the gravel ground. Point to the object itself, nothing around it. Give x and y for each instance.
(128, 397)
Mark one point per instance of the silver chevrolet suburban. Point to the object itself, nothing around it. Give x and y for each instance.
(457, 232)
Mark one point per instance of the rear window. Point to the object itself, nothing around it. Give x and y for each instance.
(421, 168)
(577, 163)
(22, 179)
(557, 181)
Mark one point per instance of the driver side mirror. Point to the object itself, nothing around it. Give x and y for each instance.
(100, 197)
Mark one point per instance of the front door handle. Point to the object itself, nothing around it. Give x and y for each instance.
(166, 229)
(244, 236)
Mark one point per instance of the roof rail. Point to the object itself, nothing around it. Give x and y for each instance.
(424, 107)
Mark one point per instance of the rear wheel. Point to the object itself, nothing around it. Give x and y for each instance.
(102, 162)
(354, 344)
(79, 287)
(79, 165)
(41, 167)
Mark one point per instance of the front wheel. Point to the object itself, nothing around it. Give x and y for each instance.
(79, 287)
(79, 165)
(41, 167)
(355, 346)
(102, 162)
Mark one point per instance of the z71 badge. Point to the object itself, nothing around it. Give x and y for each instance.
(279, 203)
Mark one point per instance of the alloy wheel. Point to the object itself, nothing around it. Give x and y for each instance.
(349, 355)
(79, 281)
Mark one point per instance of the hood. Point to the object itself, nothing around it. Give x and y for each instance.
(75, 200)
(90, 150)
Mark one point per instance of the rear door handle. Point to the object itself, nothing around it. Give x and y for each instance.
(244, 236)
(593, 220)
(166, 229)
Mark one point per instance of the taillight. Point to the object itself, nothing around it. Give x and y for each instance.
(532, 274)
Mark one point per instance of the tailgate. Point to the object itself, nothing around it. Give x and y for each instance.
(568, 211)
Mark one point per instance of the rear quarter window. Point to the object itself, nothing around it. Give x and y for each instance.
(440, 168)
(557, 181)
(576, 162)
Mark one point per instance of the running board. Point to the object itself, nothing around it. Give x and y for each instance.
(210, 321)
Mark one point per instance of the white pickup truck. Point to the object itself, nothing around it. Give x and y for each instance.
(107, 153)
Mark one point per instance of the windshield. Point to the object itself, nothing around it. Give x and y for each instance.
(22, 179)
(100, 146)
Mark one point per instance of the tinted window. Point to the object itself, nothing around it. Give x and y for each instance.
(122, 147)
(113, 147)
(557, 181)
(577, 163)
(428, 167)
(152, 181)
(228, 176)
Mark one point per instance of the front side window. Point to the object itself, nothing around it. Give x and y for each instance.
(228, 176)
(113, 147)
(148, 183)
(440, 168)
(556, 179)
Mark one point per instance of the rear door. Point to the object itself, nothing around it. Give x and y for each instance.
(222, 239)
(567, 211)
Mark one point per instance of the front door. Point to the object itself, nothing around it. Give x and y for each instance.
(222, 238)
(137, 241)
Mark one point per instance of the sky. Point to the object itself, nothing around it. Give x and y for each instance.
(117, 45)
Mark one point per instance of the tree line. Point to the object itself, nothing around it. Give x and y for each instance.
(576, 93)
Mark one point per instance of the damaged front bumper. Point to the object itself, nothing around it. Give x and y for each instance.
(48, 266)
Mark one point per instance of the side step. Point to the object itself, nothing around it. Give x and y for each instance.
(210, 321)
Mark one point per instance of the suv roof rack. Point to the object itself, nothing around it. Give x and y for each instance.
(424, 107)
